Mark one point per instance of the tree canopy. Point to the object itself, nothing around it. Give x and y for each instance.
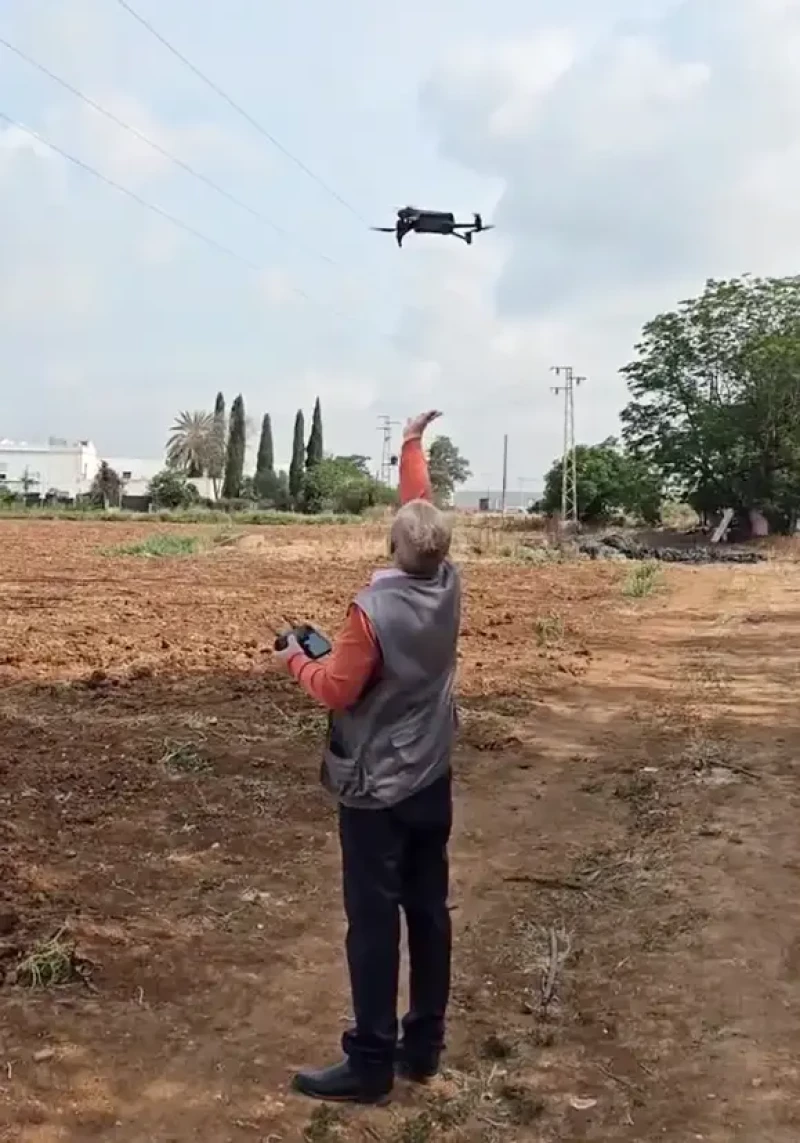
(608, 481)
(219, 433)
(106, 488)
(342, 484)
(265, 460)
(314, 451)
(190, 447)
(237, 444)
(171, 489)
(297, 466)
(448, 468)
(715, 398)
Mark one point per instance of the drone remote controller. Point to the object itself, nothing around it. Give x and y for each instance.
(314, 645)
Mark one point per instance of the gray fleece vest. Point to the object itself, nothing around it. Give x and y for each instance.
(398, 738)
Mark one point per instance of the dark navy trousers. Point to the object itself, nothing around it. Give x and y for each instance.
(391, 859)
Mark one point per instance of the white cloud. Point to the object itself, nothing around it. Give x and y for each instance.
(636, 160)
(645, 155)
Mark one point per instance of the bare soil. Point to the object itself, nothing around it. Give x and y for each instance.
(626, 861)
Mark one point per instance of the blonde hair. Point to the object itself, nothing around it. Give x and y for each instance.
(420, 538)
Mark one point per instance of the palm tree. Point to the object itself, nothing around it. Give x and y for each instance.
(190, 447)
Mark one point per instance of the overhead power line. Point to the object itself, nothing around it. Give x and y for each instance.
(241, 111)
(159, 149)
(185, 226)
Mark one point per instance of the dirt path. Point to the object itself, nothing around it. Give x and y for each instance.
(641, 815)
(678, 1010)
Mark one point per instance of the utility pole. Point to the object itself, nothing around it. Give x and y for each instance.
(388, 459)
(569, 464)
(505, 475)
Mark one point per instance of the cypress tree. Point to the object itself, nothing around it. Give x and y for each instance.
(216, 462)
(314, 450)
(265, 461)
(297, 467)
(234, 459)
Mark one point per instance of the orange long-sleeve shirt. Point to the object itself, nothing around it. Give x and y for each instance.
(339, 680)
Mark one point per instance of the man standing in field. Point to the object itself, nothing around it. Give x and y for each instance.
(388, 684)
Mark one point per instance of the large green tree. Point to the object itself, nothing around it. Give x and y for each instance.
(448, 468)
(237, 445)
(265, 459)
(297, 466)
(314, 451)
(341, 484)
(715, 398)
(608, 481)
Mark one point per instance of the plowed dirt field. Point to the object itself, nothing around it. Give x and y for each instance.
(626, 864)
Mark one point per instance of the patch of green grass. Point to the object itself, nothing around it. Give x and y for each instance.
(642, 580)
(160, 545)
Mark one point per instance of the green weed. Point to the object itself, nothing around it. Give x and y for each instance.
(642, 580)
(159, 546)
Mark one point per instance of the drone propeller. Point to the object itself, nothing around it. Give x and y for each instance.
(384, 229)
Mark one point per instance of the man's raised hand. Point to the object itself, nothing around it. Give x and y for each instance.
(416, 426)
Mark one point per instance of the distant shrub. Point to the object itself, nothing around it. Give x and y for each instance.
(171, 489)
(159, 545)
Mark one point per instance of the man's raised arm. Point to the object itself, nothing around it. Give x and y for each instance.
(415, 481)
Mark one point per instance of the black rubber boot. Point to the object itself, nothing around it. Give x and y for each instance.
(342, 1084)
(417, 1068)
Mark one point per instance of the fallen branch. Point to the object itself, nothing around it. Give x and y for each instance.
(549, 984)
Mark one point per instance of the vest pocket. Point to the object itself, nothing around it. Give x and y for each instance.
(342, 776)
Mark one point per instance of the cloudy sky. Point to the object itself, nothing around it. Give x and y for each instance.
(626, 150)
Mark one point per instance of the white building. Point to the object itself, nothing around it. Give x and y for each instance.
(68, 469)
(136, 473)
(57, 466)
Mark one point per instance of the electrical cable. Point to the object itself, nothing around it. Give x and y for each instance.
(185, 226)
(241, 111)
(178, 222)
(178, 162)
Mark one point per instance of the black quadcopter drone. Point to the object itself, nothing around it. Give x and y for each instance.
(432, 222)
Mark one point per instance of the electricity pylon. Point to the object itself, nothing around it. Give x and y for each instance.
(388, 460)
(569, 464)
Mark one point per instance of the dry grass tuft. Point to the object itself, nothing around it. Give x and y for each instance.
(51, 963)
